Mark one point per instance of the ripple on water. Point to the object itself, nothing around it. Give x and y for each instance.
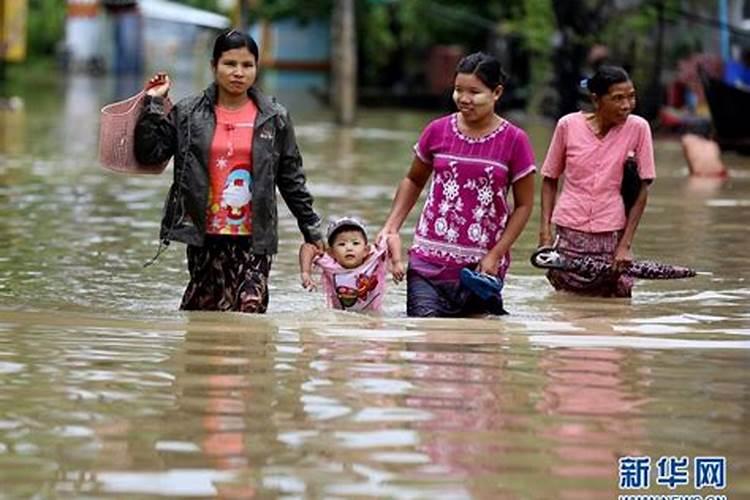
(184, 482)
(7, 367)
(109, 390)
(634, 342)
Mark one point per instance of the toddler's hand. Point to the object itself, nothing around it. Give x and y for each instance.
(397, 270)
(307, 282)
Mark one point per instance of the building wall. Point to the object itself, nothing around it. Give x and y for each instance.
(154, 37)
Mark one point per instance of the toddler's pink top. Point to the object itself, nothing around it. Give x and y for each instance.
(590, 200)
(359, 289)
(466, 209)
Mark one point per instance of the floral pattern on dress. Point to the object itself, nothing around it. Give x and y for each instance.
(444, 214)
(465, 212)
(447, 189)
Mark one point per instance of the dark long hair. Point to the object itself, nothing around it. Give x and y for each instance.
(605, 77)
(233, 39)
(487, 68)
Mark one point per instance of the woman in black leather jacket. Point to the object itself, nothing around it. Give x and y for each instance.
(232, 147)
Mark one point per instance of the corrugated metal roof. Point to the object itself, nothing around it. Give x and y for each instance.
(174, 12)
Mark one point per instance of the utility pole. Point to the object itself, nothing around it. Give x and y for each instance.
(243, 15)
(344, 64)
(653, 97)
(3, 42)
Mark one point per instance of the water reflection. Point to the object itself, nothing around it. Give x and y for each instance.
(592, 406)
(474, 402)
(234, 406)
(108, 390)
(227, 387)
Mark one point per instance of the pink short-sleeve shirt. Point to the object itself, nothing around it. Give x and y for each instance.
(590, 200)
(466, 209)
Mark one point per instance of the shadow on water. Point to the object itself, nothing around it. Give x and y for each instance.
(109, 391)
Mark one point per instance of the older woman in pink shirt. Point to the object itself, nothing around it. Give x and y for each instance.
(590, 149)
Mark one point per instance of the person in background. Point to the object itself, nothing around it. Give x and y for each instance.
(475, 158)
(232, 148)
(590, 149)
(703, 156)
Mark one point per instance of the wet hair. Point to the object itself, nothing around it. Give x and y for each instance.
(604, 78)
(345, 227)
(487, 68)
(233, 39)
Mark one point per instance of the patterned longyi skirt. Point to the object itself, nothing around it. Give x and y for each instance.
(577, 244)
(226, 276)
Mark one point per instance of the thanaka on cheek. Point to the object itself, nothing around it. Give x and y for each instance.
(482, 99)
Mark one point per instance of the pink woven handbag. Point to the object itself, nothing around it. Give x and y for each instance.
(116, 136)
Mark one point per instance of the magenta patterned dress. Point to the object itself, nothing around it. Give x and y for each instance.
(466, 209)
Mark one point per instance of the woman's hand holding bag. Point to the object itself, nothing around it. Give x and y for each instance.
(117, 129)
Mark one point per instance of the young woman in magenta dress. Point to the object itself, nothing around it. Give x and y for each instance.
(475, 158)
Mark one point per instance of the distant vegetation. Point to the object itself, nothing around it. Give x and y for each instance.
(395, 35)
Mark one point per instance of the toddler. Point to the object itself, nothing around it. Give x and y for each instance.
(353, 271)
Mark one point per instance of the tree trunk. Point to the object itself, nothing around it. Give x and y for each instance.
(653, 97)
(344, 64)
(243, 17)
(2, 47)
(576, 24)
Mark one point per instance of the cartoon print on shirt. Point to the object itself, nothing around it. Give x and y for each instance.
(229, 211)
(236, 195)
(364, 285)
(359, 289)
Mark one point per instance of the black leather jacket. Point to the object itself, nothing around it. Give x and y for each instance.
(186, 133)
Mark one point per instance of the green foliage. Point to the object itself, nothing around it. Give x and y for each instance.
(631, 34)
(401, 31)
(429, 22)
(377, 41)
(300, 9)
(45, 26)
(534, 22)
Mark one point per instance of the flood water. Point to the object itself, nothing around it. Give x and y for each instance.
(107, 390)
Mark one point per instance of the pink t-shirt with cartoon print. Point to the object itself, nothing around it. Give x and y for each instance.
(359, 289)
(466, 210)
(230, 170)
